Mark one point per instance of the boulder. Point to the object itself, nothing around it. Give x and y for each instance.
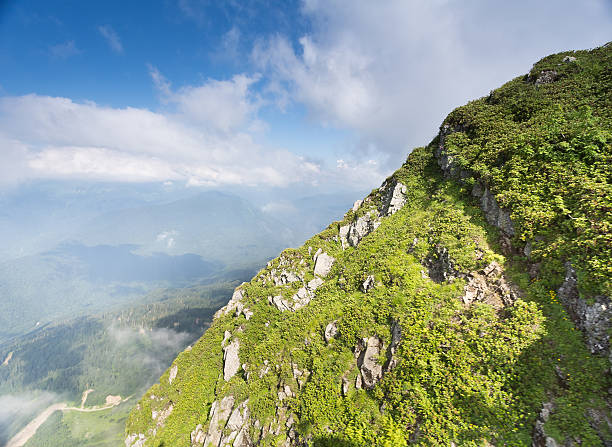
(323, 264)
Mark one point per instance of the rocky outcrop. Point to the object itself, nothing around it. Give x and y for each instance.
(494, 214)
(231, 360)
(368, 284)
(219, 413)
(540, 438)
(595, 319)
(367, 354)
(234, 304)
(393, 198)
(135, 440)
(490, 286)
(396, 338)
(440, 266)
(546, 77)
(352, 234)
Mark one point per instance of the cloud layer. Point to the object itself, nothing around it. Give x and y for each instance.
(391, 71)
(201, 143)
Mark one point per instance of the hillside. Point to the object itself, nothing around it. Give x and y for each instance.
(465, 302)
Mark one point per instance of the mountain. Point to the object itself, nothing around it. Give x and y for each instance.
(465, 302)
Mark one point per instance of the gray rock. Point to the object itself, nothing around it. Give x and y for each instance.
(396, 338)
(331, 330)
(494, 214)
(568, 59)
(173, 372)
(135, 440)
(323, 264)
(440, 266)
(594, 320)
(236, 422)
(345, 386)
(371, 370)
(197, 436)
(231, 360)
(280, 303)
(301, 298)
(540, 438)
(356, 205)
(219, 412)
(352, 234)
(233, 303)
(314, 284)
(394, 197)
(546, 77)
(368, 284)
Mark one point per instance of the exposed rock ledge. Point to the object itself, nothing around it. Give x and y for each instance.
(393, 199)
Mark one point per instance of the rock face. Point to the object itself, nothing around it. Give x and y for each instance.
(234, 303)
(231, 361)
(393, 198)
(494, 214)
(351, 235)
(595, 320)
(440, 266)
(219, 413)
(367, 361)
(489, 286)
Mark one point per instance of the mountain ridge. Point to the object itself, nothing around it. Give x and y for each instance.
(464, 302)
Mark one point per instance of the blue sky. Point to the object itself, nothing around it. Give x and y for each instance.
(320, 94)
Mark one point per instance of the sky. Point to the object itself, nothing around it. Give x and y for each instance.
(319, 94)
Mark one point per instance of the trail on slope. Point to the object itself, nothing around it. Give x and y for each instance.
(21, 438)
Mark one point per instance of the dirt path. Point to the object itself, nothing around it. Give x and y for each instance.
(29, 430)
(84, 397)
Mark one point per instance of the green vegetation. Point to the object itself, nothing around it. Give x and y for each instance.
(465, 372)
(546, 152)
(77, 429)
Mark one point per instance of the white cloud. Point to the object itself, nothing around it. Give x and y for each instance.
(112, 38)
(47, 137)
(392, 70)
(64, 50)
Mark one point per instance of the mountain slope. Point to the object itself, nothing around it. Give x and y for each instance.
(464, 302)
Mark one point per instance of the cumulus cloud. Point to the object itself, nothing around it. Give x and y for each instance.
(49, 137)
(390, 71)
(112, 38)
